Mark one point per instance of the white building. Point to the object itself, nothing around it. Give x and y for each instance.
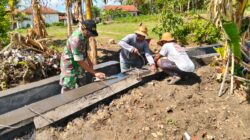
(50, 16)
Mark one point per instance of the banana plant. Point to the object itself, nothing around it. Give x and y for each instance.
(228, 15)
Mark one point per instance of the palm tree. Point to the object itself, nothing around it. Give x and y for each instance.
(38, 21)
(68, 6)
(78, 10)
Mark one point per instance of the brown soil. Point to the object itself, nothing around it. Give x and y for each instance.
(160, 111)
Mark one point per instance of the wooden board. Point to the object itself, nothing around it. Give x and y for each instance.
(78, 105)
(22, 114)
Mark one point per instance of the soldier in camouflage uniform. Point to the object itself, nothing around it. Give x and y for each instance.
(74, 58)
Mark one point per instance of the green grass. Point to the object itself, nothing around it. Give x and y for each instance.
(118, 30)
(114, 30)
(55, 32)
(247, 12)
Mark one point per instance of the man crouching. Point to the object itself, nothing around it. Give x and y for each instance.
(173, 59)
(133, 47)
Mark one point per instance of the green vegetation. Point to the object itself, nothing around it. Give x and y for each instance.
(202, 31)
(55, 32)
(106, 14)
(57, 24)
(247, 12)
(4, 24)
(114, 30)
(118, 30)
(141, 18)
(187, 28)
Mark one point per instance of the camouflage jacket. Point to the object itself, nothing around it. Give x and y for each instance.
(75, 50)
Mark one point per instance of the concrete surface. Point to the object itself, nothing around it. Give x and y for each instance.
(29, 93)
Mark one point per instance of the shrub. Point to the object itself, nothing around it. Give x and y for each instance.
(141, 18)
(27, 26)
(196, 30)
(173, 23)
(47, 25)
(203, 31)
(57, 24)
(114, 14)
(4, 25)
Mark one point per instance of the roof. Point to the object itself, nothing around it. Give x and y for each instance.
(44, 10)
(127, 8)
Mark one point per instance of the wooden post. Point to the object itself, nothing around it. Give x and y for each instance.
(92, 42)
(69, 16)
(80, 18)
(88, 9)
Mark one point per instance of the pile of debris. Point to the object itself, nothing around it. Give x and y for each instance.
(26, 60)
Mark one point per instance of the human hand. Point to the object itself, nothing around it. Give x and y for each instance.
(135, 50)
(153, 68)
(100, 75)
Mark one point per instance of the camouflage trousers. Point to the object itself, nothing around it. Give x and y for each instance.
(71, 82)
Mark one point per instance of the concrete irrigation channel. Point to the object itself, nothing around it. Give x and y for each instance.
(39, 104)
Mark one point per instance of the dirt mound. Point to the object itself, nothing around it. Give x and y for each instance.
(159, 111)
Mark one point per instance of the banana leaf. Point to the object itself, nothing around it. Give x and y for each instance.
(232, 32)
(221, 51)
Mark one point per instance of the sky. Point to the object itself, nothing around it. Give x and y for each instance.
(59, 4)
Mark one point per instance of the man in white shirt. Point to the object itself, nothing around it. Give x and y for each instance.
(173, 59)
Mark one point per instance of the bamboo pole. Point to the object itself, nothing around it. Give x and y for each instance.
(232, 76)
(224, 76)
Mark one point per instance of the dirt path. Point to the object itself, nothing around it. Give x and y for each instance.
(160, 111)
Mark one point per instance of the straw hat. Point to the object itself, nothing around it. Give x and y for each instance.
(165, 37)
(142, 30)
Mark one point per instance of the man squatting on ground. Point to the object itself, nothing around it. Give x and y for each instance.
(74, 59)
(133, 47)
(173, 59)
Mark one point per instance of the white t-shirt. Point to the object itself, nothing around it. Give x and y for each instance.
(178, 55)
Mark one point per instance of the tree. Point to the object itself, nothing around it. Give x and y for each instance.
(78, 10)
(68, 5)
(13, 12)
(105, 2)
(4, 23)
(88, 9)
(95, 11)
(92, 42)
(38, 21)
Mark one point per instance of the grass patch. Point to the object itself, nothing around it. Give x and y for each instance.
(247, 12)
(116, 30)
(55, 32)
(119, 30)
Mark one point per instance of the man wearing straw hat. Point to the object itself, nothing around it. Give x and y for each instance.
(173, 59)
(133, 47)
